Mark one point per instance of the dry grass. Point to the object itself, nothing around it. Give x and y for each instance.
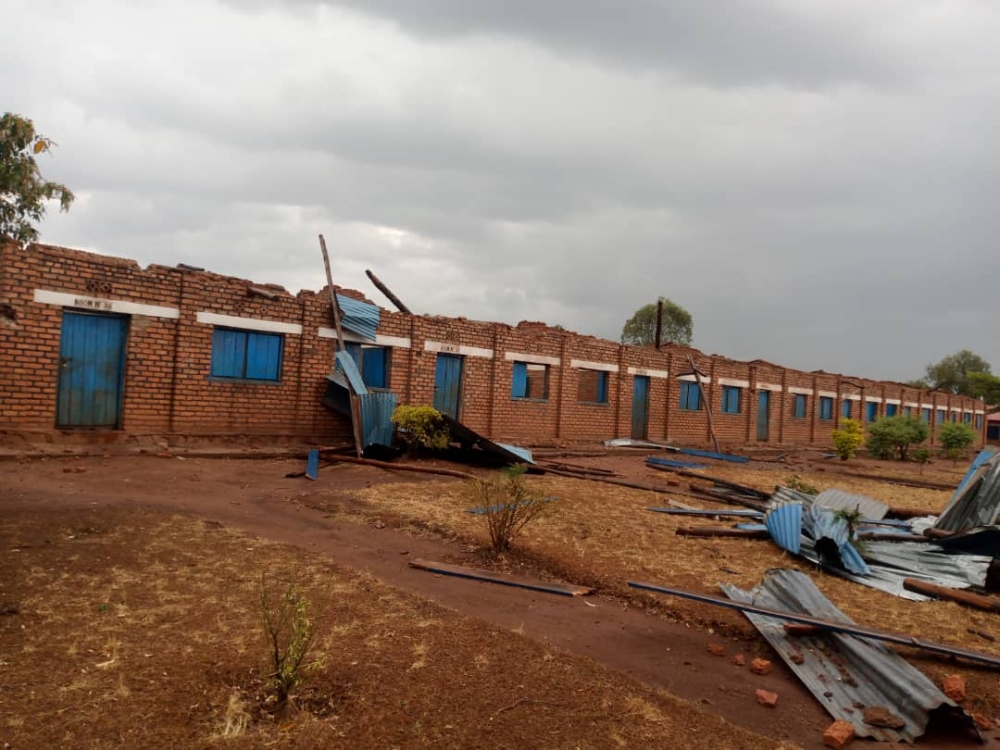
(601, 535)
(167, 670)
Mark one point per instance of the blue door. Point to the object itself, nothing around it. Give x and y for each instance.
(640, 406)
(91, 370)
(448, 384)
(763, 415)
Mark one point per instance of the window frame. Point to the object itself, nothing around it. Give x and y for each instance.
(891, 410)
(728, 394)
(248, 338)
(603, 386)
(684, 396)
(826, 408)
(525, 367)
(800, 406)
(847, 408)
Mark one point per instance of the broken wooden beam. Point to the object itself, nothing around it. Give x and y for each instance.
(968, 598)
(988, 660)
(461, 571)
(723, 531)
(402, 467)
(388, 293)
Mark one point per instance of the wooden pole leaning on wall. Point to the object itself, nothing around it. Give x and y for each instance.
(340, 346)
(708, 406)
(659, 322)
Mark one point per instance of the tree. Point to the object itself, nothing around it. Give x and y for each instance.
(955, 437)
(23, 192)
(848, 438)
(895, 435)
(951, 374)
(640, 329)
(985, 386)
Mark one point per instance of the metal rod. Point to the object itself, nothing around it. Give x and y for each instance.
(833, 627)
(388, 293)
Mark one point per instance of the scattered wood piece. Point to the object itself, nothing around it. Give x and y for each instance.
(606, 480)
(400, 467)
(918, 483)
(969, 599)
(723, 531)
(849, 628)
(799, 630)
(595, 470)
(461, 571)
(907, 513)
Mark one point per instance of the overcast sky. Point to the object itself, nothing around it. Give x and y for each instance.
(816, 181)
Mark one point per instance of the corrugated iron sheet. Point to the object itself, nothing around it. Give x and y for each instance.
(470, 439)
(349, 368)
(784, 524)
(671, 464)
(707, 512)
(839, 500)
(977, 503)
(376, 417)
(717, 456)
(843, 671)
(928, 563)
(523, 453)
(359, 317)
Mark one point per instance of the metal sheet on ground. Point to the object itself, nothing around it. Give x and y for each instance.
(460, 571)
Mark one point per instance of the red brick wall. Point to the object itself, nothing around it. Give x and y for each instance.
(168, 388)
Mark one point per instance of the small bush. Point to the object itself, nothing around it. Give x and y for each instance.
(895, 435)
(288, 634)
(921, 456)
(956, 436)
(508, 505)
(795, 482)
(422, 426)
(848, 438)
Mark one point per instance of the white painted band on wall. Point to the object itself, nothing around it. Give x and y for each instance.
(535, 359)
(827, 394)
(895, 401)
(927, 406)
(800, 391)
(102, 304)
(956, 408)
(397, 342)
(692, 378)
(466, 351)
(582, 364)
(248, 324)
(662, 374)
(769, 387)
(979, 412)
(874, 399)
(851, 396)
(912, 404)
(734, 382)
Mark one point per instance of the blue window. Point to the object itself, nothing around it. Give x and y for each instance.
(731, 397)
(907, 412)
(846, 409)
(246, 355)
(925, 414)
(531, 381)
(954, 416)
(940, 416)
(890, 410)
(690, 396)
(372, 361)
(799, 406)
(825, 407)
(871, 408)
(592, 386)
(979, 421)
(967, 418)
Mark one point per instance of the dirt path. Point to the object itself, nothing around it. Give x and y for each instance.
(254, 496)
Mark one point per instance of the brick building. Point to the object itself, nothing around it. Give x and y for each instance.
(96, 342)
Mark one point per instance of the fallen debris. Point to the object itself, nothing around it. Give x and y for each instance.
(767, 698)
(740, 660)
(838, 734)
(667, 463)
(954, 687)
(401, 467)
(716, 649)
(880, 716)
(461, 571)
(976, 501)
(388, 293)
(761, 667)
(722, 531)
(967, 598)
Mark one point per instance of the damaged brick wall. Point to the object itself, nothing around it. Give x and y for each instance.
(572, 387)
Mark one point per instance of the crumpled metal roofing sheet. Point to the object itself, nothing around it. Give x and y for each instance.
(717, 456)
(926, 562)
(347, 365)
(359, 317)
(839, 500)
(977, 504)
(841, 670)
(784, 524)
(831, 537)
(376, 417)
(654, 461)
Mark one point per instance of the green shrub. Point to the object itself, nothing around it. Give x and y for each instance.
(422, 426)
(508, 505)
(922, 456)
(288, 635)
(848, 438)
(956, 436)
(895, 435)
(795, 482)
